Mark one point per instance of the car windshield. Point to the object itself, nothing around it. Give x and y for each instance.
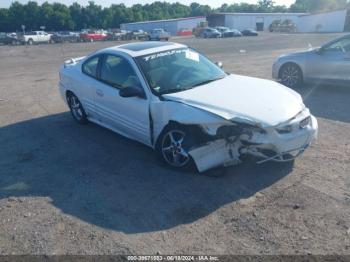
(178, 70)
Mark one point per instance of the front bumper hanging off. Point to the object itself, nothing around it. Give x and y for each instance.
(280, 148)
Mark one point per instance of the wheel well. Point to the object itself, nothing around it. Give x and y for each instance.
(290, 63)
(194, 129)
(68, 94)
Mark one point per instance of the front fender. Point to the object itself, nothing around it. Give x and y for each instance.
(164, 112)
(279, 63)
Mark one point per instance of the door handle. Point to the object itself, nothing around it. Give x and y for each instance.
(99, 92)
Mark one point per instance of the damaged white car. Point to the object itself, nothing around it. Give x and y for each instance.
(175, 100)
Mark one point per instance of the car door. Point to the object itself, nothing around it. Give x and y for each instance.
(36, 36)
(41, 37)
(345, 69)
(46, 37)
(86, 85)
(127, 116)
(331, 62)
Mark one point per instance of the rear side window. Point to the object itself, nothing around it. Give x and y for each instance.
(117, 72)
(90, 67)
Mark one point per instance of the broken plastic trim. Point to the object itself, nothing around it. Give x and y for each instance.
(216, 153)
(280, 157)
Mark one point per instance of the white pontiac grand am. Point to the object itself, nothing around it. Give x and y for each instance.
(173, 99)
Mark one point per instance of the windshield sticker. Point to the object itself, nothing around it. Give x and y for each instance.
(167, 53)
(192, 55)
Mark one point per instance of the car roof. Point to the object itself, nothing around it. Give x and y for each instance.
(144, 48)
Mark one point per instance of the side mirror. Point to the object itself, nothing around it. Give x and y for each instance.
(219, 64)
(132, 91)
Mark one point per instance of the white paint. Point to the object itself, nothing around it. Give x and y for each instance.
(215, 154)
(229, 101)
(256, 100)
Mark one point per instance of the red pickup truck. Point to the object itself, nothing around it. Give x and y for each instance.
(91, 36)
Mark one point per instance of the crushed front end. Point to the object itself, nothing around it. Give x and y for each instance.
(283, 142)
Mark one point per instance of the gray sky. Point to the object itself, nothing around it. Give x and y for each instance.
(216, 3)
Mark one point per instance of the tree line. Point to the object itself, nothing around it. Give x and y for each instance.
(58, 16)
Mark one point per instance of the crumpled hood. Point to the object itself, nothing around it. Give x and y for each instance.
(244, 98)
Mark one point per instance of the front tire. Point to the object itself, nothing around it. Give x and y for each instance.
(173, 147)
(76, 109)
(291, 75)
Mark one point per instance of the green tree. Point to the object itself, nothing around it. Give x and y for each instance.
(265, 5)
(317, 5)
(76, 15)
(200, 10)
(4, 19)
(16, 16)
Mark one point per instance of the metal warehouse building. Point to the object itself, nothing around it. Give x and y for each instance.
(332, 21)
(258, 21)
(173, 26)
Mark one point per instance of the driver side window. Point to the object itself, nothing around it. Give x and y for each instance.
(117, 72)
(342, 45)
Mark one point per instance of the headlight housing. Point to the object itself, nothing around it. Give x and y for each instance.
(305, 122)
(285, 129)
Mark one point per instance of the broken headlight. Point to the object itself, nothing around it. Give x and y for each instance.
(285, 129)
(228, 131)
(304, 123)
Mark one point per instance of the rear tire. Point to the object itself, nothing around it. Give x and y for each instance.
(76, 109)
(291, 75)
(30, 42)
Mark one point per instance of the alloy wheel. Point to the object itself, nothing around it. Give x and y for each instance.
(290, 75)
(76, 107)
(172, 149)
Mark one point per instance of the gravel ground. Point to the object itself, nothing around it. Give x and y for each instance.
(70, 189)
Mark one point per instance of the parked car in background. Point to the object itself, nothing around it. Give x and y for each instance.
(184, 32)
(116, 34)
(7, 39)
(65, 36)
(285, 26)
(139, 35)
(176, 101)
(91, 36)
(35, 37)
(227, 32)
(329, 63)
(210, 33)
(158, 34)
(249, 32)
(13, 35)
